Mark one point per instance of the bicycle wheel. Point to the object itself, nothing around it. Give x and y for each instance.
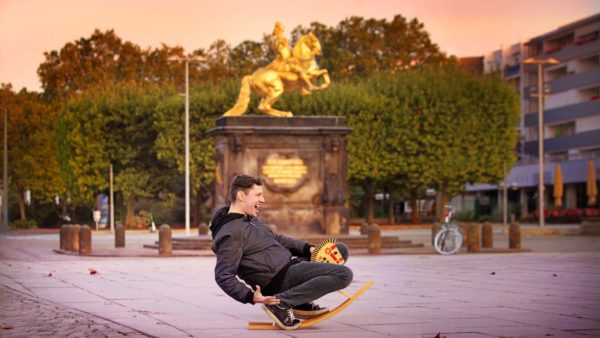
(448, 241)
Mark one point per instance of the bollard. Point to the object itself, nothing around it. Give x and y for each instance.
(474, 232)
(364, 228)
(202, 229)
(374, 240)
(85, 240)
(63, 236)
(119, 236)
(165, 247)
(75, 245)
(487, 236)
(465, 233)
(514, 236)
(435, 228)
(69, 238)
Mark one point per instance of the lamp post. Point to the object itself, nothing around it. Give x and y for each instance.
(4, 226)
(187, 61)
(540, 96)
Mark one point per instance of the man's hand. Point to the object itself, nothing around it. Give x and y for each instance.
(259, 298)
(312, 249)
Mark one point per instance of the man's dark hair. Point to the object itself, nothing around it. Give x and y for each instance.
(244, 183)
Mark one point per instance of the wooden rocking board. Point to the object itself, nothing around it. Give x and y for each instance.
(313, 321)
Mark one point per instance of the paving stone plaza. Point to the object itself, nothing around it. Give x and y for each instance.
(553, 291)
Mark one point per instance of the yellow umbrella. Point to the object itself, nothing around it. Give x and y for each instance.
(558, 186)
(592, 191)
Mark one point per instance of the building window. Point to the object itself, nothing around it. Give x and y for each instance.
(587, 64)
(563, 129)
(554, 45)
(557, 73)
(586, 38)
(558, 156)
(590, 153)
(589, 94)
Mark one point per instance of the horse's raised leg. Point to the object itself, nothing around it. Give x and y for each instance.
(272, 97)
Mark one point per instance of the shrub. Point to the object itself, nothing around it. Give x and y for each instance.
(26, 224)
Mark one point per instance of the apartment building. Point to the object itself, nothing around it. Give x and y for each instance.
(571, 119)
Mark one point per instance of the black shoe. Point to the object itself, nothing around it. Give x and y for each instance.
(283, 317)
(309, 310)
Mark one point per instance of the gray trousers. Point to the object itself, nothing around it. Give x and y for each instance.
(307, 281)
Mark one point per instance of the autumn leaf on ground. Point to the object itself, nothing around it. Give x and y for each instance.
(439, 335)
(554, 275)
(493, 273)
(5, 326)
(49, 274)
(93, 271)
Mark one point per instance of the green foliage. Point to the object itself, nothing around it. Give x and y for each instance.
(112, 125)
(31, 147)
(359, 46)
(24, 224)
(418, 121)
(437, 127)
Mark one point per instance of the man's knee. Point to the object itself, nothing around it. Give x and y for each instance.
(347, 276)
(344, 251)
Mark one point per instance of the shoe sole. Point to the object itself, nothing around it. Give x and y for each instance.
(277, 321)
(301, 314)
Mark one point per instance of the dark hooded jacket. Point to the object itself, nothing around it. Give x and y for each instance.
(248, 249)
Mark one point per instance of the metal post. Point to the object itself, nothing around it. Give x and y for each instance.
(504, 204)
(5, 175)
(112, 200)
(187, 146)
(541, 144)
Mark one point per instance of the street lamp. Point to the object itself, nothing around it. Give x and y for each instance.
(187, 61)
(5, 226)
(540, 96)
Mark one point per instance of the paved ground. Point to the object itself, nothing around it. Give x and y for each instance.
(553, 291)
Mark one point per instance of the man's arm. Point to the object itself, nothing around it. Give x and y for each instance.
(297, 247)
(229, 254)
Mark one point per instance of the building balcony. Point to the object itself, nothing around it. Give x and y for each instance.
(513, 70)
(568, 82)
(572, 51)
(587, 139)
(564, 113)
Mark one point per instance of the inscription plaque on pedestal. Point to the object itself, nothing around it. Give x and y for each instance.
(302, 161)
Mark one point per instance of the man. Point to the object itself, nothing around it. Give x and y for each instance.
(248, 249)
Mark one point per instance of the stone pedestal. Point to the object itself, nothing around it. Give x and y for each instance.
(302, 161)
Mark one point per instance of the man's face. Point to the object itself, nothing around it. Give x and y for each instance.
(251, 202)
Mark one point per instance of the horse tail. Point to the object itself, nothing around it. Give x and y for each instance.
(243, 100)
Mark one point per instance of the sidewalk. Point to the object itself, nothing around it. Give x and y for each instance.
(534, 294)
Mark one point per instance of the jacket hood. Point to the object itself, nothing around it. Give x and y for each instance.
(222, 217)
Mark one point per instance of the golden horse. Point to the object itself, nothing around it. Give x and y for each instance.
(271, 81)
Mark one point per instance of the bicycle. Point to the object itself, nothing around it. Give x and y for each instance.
(449, 239)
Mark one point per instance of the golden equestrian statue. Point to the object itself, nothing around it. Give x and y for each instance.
(289, 72)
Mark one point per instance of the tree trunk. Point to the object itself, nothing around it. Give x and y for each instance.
(130, 211)
(391, 214)
(441, 199)
(198, 199)
(22, 211)
(369, 203)
(415, 207)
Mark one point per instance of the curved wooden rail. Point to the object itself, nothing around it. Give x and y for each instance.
(313, 321)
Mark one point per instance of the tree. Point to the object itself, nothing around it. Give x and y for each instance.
(32, 149)
(359, 46)
(114, 125)
(431, 127)
(207, 103)
(103, 58)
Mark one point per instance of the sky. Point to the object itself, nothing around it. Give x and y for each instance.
(28, 28)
